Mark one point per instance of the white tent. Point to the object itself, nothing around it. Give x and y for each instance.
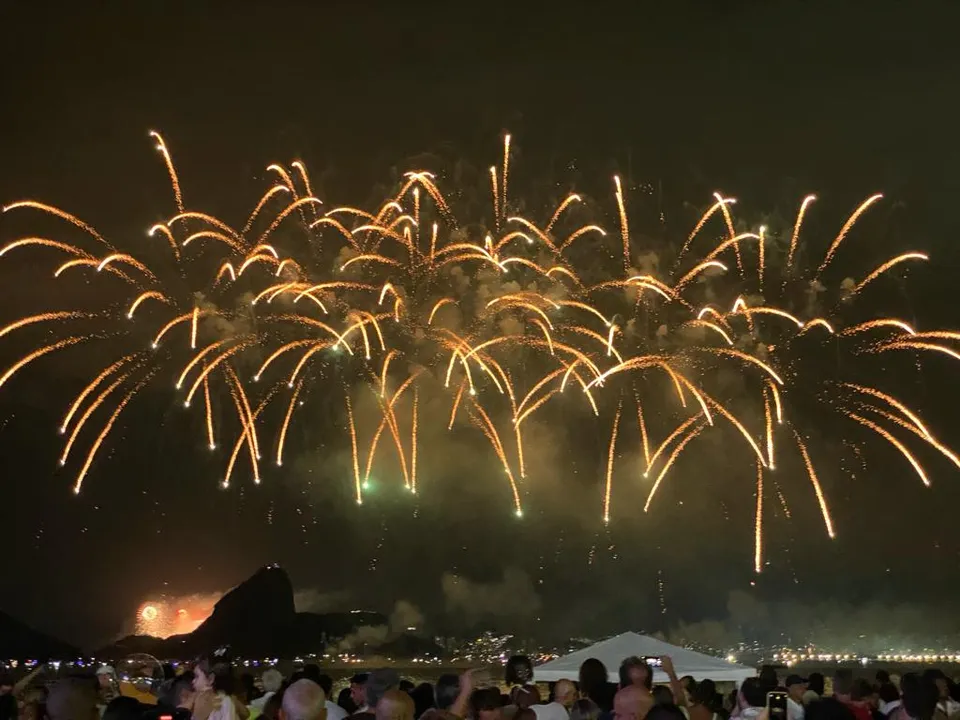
(613, 651)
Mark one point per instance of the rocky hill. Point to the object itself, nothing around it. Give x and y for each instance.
(256, 619)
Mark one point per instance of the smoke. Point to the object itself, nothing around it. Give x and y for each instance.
(513, 597)
(314, 601)
(829, 624)
(405, 615)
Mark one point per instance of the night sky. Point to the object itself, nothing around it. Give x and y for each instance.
(764, 101)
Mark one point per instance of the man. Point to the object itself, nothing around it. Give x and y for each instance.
(564, 696)
(448, 687)
(334, 711)
(356, 690)
(108, 683)
(634, 671)
(395, 705)
(796, 687)
(271, 680)
(175, 699)
(72, 698)
(843, 691)
(632, 702)
(304, 700)
(377, 684)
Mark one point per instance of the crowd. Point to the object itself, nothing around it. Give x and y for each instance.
(211, 690)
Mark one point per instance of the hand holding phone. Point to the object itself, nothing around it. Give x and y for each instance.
(777, 705)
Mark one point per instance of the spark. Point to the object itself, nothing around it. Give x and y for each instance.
(758, 524)
(812, 474)
(893, 441)
(666, 466)
(886, 266)
(796, 228)
(162, 147)
(845, 229)
(610, 456)
(624, 226)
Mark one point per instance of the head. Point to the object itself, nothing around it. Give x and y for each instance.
(753, 692)
(565, 693)
(357, 683)
(920, 694)
(485, 704)
(345, 700)
(705, 693)
(593, 676)
(106, 676)
(423, 698)
(882, 677)
(180, 693)
(246, 688)
(628, 702)
(271, 679)
(796, 687)
(123, 708)
(447, 689)
(519, 670)
(888, 692)
(666, 711)
(662, 695)
(395, 704)
(303, 700)
(213, 673)
(312, 672)
(937, 677)
(377, 685)
(816, 682)
(584, 709)
(768, 678)
(72, 699)
(634, 671)
(843, 683)
(863, 691)
(688, 683)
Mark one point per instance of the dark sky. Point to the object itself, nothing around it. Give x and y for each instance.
(765, 100)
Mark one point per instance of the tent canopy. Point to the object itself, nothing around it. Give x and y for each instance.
(613, 651)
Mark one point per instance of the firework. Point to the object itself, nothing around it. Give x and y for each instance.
(480, 316)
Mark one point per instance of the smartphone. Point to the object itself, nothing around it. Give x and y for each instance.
(777, 705)
(653, 661)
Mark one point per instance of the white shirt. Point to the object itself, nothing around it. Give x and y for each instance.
(551, 711)
(262, 700)
(224, 710)
(795, 710)
(334, 711)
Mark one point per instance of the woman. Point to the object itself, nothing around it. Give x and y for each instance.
(214, 685)
(594, 684)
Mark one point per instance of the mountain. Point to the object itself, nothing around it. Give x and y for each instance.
(22, 641)
(257, 619)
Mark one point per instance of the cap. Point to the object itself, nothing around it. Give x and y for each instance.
(106, 670)
(794, 680)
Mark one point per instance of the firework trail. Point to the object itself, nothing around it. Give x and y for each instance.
(505, 323)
